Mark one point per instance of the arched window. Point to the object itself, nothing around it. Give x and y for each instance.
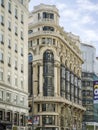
(48, 73)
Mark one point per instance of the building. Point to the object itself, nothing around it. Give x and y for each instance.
(54, 72)
(13, 64)
(89, 91)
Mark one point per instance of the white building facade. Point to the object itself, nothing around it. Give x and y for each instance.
(13, 64)
(54, 72)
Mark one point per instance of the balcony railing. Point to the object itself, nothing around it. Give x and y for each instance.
(55, 34)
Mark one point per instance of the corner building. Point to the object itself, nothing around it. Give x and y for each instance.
(13, 64)
(54, 72)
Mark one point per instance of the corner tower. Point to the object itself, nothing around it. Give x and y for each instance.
(54, 72)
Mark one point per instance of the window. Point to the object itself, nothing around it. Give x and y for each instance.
(2, 3)
(2, 20)
(1, 74)
(48, 60)
(62, 81)
(30, 57)
(2, 38)
(16, 48)
(22, 120)
(48, 107)
(9, 59)
(1, 115)
(16, 30)
(9, 25)
(9, 7)
(9, 77)
(9, 43)
(48, 120)
(21, 68)
(38, 16)
(21, 82)
(48, 15)
(43, 40)
(22, 18)
(16, 13)
(16, 80)
(21, 1)
(8, 96)
(16, 63)
(8, 114)
(30, 44)
(53, 41)
(1, 56)
(48, 28)
(22, 100)
(21, 51)
(37, 41)
(22, 35)
(15, 99)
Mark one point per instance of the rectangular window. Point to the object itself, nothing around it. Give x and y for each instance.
(2, 20)
(8, 96)
(1, 56)
(22, 100)
(38, 16)
(16, 13)
(53, 41)
(1, 74)
(16, 64)
(15, 99)
(2, 3)
(9, 77)
(48, 120)
(21, 68)
(22, 35)
(21, 1)
(9, 7)
(21, 82)
(1, 95)
(9, 43)
(9, 25)
(16, 30)
(29, 43)
(22, 18)
(2, 38)
(21, 51)
(16, 81)
(9, 59)
(16, 48)
(43, 40)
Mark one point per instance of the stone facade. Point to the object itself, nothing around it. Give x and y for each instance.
(13, 64)
(54, 72)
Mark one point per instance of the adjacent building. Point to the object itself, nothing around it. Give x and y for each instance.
(13, 64)
(89, 87)
(55, 67)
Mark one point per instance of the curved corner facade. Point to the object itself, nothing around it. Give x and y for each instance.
(54, 72)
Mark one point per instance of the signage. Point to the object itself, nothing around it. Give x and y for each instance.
(36, 119)
(95, 92)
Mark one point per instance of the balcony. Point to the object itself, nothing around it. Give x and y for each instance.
(57, 100)
(55, 34)
(44, 21)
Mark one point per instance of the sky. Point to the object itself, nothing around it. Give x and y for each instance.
(77, 16)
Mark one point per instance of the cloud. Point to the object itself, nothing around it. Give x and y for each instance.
(90, 35)
(87, 5)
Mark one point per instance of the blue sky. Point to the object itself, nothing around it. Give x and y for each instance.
(77, 16)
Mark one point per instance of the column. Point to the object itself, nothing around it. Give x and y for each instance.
(41, 81)
(55, 81)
